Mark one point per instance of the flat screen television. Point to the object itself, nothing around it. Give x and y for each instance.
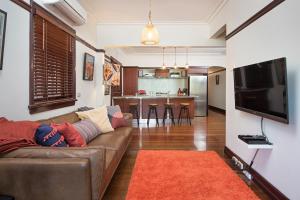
(261, 89)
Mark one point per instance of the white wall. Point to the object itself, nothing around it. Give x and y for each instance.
(156, 60)
(14, 78)
(217, 93)
(162, 85)
(242, 12)
(177, 34)
(274, 35)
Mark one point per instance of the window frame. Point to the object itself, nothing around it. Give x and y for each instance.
(37, 107)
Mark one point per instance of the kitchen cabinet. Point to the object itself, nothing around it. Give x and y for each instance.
(130, 80)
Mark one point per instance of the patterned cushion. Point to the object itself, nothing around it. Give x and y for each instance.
(116, 116)
(45, 135)
(71, 135)
(87, 129)
(99, 117)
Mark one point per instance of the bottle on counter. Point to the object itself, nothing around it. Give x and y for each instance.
(179, 92)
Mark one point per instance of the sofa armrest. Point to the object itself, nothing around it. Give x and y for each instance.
(95, 156)
(47, 179)
(128, 117)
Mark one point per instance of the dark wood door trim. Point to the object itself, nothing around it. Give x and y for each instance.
(82, 41)
(255, 17)
(23, 4)
(273, 192)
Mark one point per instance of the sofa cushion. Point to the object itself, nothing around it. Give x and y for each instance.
(87, 129)
(116, 116)
(3, 119)
(113, 140)
(99, 117)
(72, 136)
(48, 136)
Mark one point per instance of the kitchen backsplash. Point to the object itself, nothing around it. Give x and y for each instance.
(162, 85)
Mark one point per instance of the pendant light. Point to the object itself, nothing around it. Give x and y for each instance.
(175, 64)
(150, 35)
(164, 64)
(187, 58)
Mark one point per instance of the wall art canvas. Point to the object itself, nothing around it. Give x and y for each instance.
(107, 72)
(88, 68)
(3, 16)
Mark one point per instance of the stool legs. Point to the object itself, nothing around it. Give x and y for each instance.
(179, 117)
(152, 110)
(170, 111)
(172, 117)
(184, 111)
(134, 111)
(156, 116)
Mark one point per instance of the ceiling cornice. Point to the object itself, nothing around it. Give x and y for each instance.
(155, 22)
(216, 11)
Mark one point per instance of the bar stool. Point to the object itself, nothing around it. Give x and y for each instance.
(169, 109)
(184, 110)
(134, 110)
(152, 109)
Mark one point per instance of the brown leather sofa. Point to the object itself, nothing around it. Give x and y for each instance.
(44, 173)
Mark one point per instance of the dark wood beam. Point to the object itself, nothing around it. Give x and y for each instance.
(255, 17)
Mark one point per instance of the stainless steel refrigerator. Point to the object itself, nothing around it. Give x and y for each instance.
(198, 88)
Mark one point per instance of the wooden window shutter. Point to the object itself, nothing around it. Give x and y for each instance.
(52, 72)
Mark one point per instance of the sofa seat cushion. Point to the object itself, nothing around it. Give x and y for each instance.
(113, 140)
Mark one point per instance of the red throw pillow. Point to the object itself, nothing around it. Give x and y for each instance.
(3, 119)
(72, 136)
(18, 129)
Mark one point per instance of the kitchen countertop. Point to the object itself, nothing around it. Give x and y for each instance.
(152, 97)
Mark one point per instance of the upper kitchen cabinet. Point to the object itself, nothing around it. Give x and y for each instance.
(130, 80)
(197, 70)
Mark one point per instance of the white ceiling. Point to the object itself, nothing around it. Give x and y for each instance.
(136, 11)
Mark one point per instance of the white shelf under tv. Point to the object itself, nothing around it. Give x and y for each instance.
(256, 146)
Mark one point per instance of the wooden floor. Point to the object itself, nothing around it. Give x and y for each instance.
(206, 133)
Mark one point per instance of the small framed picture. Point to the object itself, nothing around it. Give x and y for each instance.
(217, 79)
(3, 16)
(106, 90)
(88, 67)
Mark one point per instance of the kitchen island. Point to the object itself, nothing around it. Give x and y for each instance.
(144, 100)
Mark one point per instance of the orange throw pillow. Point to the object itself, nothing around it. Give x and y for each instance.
(71, 135)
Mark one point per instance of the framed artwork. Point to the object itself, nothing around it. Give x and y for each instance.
(88, 68)
(107, 73)
(115, 80)
(117, 67)
(217, 79)
(3, 16)
(106, 89)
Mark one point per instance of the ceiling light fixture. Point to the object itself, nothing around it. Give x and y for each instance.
(164, 64)
(187, 58)
(150, 35)
(175, 64)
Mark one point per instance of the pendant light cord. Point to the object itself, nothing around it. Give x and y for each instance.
(164, 57)
(150, 12)
(175, 57)
(187, 56)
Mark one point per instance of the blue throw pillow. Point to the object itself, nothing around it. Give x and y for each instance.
(46, 135)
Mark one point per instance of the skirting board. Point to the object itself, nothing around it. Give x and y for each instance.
(273, 192)
(217, 109)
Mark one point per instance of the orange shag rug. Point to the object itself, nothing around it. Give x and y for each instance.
(185, 175)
